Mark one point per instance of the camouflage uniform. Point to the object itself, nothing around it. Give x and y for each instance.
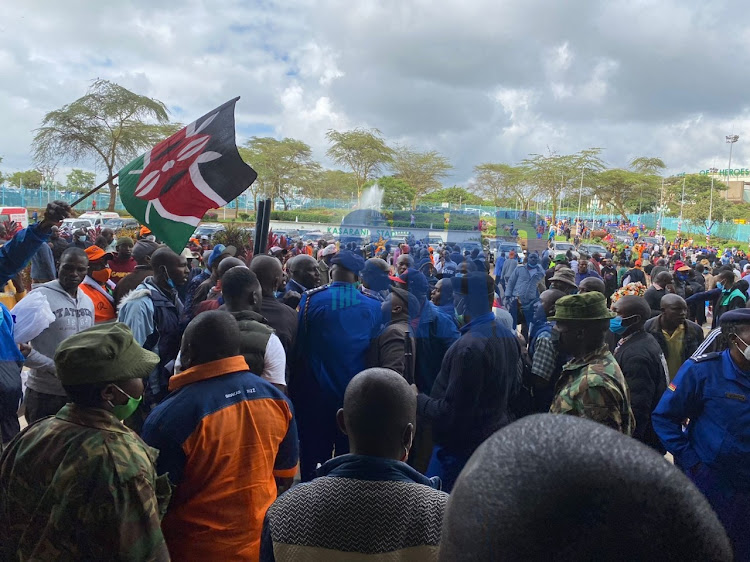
(81, 486)
(593, 387)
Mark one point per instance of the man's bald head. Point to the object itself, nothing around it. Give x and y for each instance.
(379, 414)
(227, 264)
(591, 285)
(268, 271)
(200, 343)
(594, 494)
(548, 299)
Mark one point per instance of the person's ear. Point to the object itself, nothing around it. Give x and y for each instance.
(340, 421)
(109, 393)
(407, 439)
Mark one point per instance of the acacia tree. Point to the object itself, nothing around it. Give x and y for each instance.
(285, 165)
(420, 170)
(363, 151)
(621, 188)
(110, 124)
(501, 181)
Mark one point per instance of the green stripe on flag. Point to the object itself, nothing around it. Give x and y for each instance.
(173, 234)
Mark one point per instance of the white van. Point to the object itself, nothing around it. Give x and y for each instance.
(97, 218)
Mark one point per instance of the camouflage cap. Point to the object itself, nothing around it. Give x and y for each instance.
(105, 353)
(588, 306)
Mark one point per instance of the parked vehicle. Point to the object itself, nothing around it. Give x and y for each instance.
(19, 215)
(561, 248)
(98, 218)
(591, 249)
(208, 229)
(119, 224)
(71, 225)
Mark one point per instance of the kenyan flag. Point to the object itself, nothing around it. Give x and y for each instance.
(171, 187)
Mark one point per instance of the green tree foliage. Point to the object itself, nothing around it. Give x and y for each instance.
(623, 188)
(555, 174)
(332, 184)
(79, 180)
(285, 167)
(362, 151)
(109, 124)
(698, 201)
(421, 170)
(2, 177)
(454, 195)
(647, 165)
(397, 194)
(498, 182)
(30, 179)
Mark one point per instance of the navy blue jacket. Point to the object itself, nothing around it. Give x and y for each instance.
(478, 380)
(715, 395)
(339, 310)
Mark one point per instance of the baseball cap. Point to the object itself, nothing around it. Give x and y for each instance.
(680, 266)
(95, 253)
(328, 250)
(221, 250)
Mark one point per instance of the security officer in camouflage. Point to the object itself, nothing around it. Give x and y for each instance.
(591, 385)
(81, 485)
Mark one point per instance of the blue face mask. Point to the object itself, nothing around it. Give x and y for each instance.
(720, 285)
(615, 325)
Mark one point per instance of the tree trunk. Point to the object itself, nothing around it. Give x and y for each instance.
(112, 190)
(554, 210)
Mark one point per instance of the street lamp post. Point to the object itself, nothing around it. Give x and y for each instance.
(682, 203)
(710, 213)
(731, 139)
(580, 192)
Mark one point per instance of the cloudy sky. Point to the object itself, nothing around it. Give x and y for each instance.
(477, 80)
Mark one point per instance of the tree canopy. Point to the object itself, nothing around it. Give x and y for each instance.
(454, 195)
(497, 182)
(79, 180)
(420, 170)
(397, 194)
(30, 179)
(285, 167)
(109, 124)
(363, 151)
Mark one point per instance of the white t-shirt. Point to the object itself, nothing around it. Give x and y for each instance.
(274, 362)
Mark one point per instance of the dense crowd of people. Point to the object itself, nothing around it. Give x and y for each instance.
(402, 401)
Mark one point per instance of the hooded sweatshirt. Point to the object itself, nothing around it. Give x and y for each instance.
(72, 315)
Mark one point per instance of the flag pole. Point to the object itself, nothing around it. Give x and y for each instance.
(92, 191)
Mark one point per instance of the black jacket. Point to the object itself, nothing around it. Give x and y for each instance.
(693, 337)
(640, 359)
(475, 388)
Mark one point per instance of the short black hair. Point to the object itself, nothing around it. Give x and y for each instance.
(237, 281)
(556, 487)
(73, 251)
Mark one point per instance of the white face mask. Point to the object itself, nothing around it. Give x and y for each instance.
(746, 351)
